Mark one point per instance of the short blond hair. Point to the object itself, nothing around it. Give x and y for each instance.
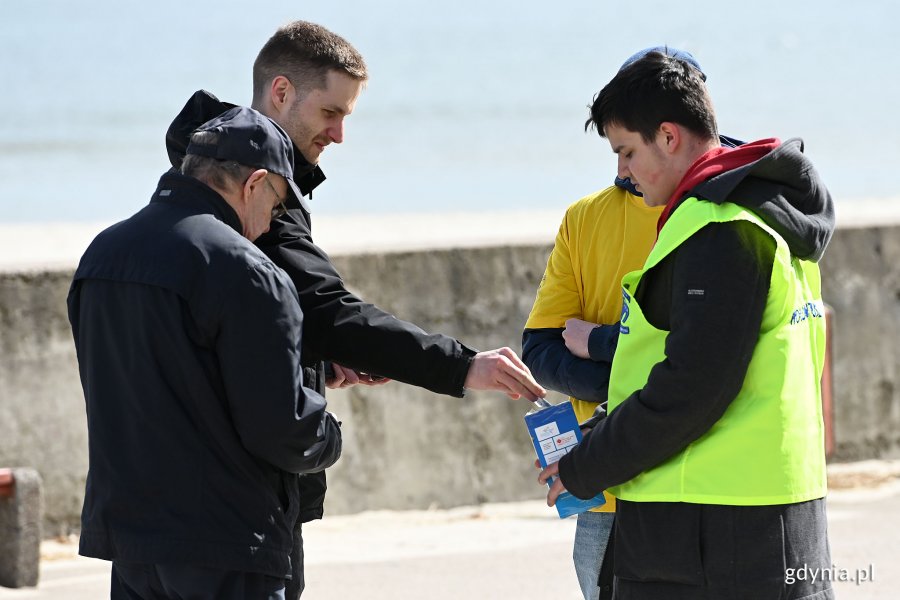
(305, 52)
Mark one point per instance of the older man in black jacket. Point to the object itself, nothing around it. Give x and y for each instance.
(189, 341)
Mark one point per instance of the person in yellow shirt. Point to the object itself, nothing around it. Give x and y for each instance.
(602, 237)
(571, 333)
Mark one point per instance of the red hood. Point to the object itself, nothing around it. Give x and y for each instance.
(712, 163)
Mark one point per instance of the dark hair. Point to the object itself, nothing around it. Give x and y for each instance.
(304, 52)
(218, 173)
(650, 91)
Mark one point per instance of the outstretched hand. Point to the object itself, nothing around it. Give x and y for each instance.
(504, 371)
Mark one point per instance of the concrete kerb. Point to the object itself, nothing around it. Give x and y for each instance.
(21, 511)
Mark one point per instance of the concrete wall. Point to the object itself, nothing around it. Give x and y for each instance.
(861, 281)
(405, 447)
(408, 448)
(42, 420)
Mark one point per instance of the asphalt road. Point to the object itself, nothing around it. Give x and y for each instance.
(496, 551)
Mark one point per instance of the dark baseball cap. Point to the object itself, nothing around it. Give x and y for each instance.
(682, 55)
(250, 138)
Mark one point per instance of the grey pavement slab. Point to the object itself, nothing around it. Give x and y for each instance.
(496, 551)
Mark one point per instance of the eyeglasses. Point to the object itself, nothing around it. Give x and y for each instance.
(279, 210)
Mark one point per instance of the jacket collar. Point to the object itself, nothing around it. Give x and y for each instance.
(196, 197)
(716, 161)
(307, 176)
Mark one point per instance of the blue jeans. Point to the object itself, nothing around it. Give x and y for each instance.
(591, 537)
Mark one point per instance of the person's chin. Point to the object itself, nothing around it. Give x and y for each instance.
(316, 152)
(650, 199)
(311, 154)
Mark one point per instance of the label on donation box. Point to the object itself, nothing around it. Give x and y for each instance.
(554, 431)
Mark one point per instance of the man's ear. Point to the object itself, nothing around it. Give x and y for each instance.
(253, 182)
(282, 93)
(669, 137)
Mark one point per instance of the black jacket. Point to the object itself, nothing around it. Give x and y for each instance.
(338, 326)
(710, 343)
(188, 342)
(683, 547)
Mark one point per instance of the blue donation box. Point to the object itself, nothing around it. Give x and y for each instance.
(554, 432)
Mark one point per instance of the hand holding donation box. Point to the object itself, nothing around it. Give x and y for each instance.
(554, 432)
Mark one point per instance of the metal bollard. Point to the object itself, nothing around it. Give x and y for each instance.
(21, 510)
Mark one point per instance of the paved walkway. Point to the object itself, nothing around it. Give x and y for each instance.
(514, 550)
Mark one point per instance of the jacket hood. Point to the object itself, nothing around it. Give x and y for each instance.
(779, 184)
(203, 106)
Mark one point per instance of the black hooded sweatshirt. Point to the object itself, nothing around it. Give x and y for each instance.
(708, 349)
(338, 326)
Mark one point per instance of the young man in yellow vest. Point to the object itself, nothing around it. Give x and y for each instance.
(571, 333)
(714, 440)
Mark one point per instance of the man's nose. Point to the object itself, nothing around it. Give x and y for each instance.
(336, 132)
(624, 172)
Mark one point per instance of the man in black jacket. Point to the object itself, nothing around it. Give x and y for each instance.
(571, 333)
(714, 440)
(188, 341)
(307, 79)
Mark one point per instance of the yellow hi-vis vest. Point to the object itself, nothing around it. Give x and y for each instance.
(768, 447)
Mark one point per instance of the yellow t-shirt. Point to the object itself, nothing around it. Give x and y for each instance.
(602, 237)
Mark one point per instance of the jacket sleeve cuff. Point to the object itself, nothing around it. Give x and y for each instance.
(602, 342)
(465, 362)
(599, 415)
(570, 479)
